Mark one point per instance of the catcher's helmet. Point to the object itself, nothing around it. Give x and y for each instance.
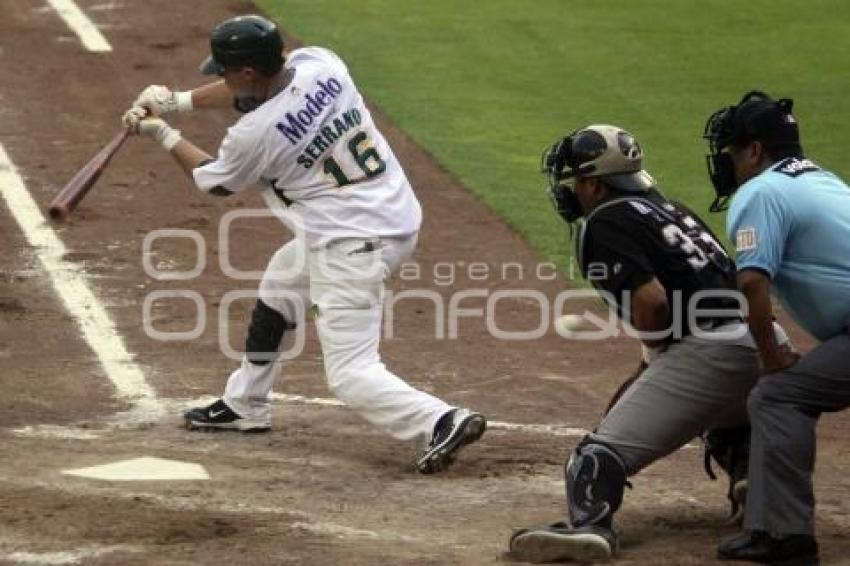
(244, 41)
(757, 117)
(599, 150)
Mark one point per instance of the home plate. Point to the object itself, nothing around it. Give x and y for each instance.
(143, 469)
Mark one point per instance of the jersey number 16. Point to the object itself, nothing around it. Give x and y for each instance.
(367, 159)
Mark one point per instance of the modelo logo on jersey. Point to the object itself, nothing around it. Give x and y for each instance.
(296, 124)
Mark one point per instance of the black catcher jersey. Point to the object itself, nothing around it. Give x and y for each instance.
(625, 242)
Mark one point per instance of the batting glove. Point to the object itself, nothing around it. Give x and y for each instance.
(159, 130)
(161, 100)
(133, 116)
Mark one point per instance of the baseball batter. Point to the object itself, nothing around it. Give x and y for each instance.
(308, 140)
(668, 277)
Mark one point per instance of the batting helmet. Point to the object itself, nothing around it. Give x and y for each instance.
(244, 41)
(599, 150)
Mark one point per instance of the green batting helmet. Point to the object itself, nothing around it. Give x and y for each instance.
(244, 41)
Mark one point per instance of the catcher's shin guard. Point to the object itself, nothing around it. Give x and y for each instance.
(730, 448)
(596, 479)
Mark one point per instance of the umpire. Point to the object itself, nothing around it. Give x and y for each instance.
(790, 221)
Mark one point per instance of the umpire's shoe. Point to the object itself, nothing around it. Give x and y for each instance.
(455, 429)
(219, 416)
(759, 546)
(560, 542)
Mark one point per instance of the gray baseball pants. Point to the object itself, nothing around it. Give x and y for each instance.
(695, 385)
(784, 409)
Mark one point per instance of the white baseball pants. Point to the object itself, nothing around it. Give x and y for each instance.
(343, 284)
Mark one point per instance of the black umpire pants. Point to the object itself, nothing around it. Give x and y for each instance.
(784, 409)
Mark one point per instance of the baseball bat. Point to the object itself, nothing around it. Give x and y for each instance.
(73, 192)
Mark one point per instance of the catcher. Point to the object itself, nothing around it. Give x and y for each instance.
(667, 276)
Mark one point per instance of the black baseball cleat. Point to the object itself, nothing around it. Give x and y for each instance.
(455, 429)
(759, 546)
(219, 416)
(560, 542)
(738, 499)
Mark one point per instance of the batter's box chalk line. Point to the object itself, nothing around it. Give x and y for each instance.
(150, 412)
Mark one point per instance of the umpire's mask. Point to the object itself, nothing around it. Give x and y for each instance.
(599, 150)
(756, 117)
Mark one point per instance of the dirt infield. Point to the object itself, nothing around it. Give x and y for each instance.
(323, 487)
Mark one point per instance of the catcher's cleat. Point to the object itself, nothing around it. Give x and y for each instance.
(219, 416)
(738, 498)
(730, 448)
(455, 429)
(560, 542)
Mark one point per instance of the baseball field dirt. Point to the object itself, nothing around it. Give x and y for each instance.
(323, 487)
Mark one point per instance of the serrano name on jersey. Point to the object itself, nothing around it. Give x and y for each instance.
(328, 136)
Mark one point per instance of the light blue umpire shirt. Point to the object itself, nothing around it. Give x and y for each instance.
(792, 222)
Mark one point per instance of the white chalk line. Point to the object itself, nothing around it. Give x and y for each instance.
(552, 429)
(140, 416)
(346, 532)
(81, 25)
(56, 432)
(70, 556)
(549, 429)
(69, 280)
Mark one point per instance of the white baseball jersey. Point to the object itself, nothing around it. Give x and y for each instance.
(316, 151)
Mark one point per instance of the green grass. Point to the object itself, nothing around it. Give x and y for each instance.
(485, 86)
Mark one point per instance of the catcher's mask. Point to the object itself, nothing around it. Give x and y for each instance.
(599, 150)
(756, 117)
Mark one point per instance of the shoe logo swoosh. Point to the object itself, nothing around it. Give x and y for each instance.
(217, 413)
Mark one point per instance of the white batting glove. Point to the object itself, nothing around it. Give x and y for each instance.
(161, 100)
(157, 129)
(133, 116)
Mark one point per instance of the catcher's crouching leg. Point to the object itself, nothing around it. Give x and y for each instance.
(730, 448)
(596, 479)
